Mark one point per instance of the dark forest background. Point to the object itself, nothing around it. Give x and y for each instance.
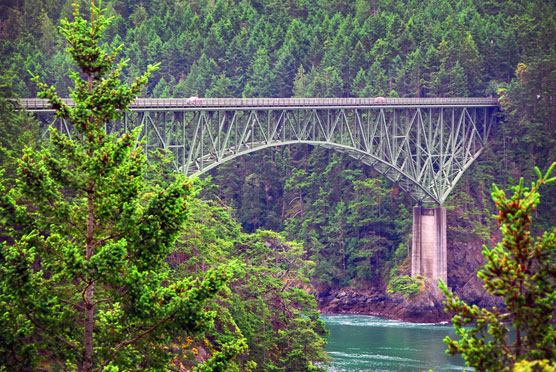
(354, 225)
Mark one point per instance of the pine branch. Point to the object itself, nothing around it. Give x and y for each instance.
(135, 339)
(55, 332)
(78, 307)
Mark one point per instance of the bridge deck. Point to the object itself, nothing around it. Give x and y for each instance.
(179, 104)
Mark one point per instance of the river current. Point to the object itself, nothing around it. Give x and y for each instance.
(359, 343)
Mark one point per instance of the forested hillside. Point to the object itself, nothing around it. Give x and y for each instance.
(354, 225)
(220, 48)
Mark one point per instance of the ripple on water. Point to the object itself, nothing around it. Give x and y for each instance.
(369, 357)
(360, 343)
(373, 321)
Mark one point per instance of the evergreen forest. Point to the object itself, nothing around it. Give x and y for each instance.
(277, 227)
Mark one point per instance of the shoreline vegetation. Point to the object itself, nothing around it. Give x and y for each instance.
(110, 262)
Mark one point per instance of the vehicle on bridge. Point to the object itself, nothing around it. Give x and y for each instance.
(193, 99)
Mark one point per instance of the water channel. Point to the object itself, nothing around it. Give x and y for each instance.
(359, 343)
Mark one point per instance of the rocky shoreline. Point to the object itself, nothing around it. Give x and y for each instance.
(426, 307)
(464, 260)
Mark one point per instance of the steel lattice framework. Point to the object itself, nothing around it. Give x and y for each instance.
(423, 145)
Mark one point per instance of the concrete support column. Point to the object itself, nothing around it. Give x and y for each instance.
(428, 254)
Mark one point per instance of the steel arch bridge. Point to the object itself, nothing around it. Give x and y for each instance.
(422, 144)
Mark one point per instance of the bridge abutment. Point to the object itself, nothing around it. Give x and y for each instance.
(429, 251)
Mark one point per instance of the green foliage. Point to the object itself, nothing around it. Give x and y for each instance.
(83, 281)
(405, 285)
(268, 300)
(529, 105)
(520, 270)
(17, 129)
(323, 48)
(220, 360)
(426, 48)
(349, 220)
(468, 219)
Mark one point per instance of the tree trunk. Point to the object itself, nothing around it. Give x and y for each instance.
(89, 320)
(89, 316)
(301, 205)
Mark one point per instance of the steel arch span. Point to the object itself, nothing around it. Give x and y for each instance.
(423, 145)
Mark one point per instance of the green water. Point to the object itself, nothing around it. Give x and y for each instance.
(360, 343)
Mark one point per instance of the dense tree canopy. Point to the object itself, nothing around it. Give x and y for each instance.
(415, 48)
(355, 230)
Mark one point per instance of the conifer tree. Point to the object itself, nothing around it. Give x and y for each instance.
(522, 272)
(83, 282)
(17, 128)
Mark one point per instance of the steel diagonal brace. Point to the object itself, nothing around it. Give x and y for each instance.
(231, 128)
(192, 149)
(245, 133)
(364, 137)
(317, 124)
(334, 126)
(213, 141)
(429, 159)
(404, 146)
(273, 125)
(153, 125)
(325, 134)
(354, 145)
(306, 122)
(292, 125)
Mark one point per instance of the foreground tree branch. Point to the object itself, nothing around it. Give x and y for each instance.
(522, 271)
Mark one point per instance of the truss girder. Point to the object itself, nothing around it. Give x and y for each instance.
(425, 150)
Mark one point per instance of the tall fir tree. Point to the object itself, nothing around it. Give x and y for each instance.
(83, 281)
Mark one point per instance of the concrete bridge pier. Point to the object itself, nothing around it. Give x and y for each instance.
(429, 251)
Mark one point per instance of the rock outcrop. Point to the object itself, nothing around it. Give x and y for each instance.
(464, 261)
(426, 307)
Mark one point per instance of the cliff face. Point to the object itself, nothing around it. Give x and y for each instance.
(464, 260)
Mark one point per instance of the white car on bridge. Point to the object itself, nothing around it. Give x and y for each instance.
(193, 99)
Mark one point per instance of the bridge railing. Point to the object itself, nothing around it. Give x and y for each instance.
(34, 104)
